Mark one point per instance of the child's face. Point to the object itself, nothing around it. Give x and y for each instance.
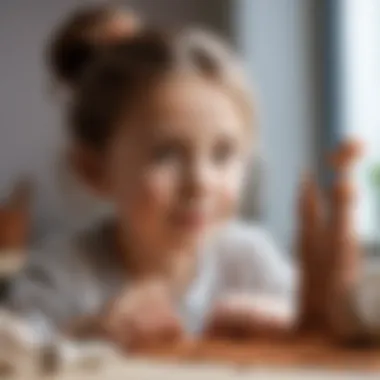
(176, 166)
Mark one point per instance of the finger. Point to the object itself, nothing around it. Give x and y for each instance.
(170, 329)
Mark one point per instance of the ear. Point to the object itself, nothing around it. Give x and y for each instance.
(89, 166)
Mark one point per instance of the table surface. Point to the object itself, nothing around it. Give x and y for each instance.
(301, 358)
(304, 352)
(304, 358)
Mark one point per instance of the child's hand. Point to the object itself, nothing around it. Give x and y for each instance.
(142, 315)
(248, 316)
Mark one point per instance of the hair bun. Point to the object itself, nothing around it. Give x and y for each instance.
(82, 38)
(121, 26)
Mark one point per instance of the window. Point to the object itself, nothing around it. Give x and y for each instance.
(360, 101)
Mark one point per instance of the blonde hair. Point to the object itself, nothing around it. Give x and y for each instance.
(83, 36)
(123, 76)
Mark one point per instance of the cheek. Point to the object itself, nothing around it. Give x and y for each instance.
(230, 190)
(142, 193)
(148, 194)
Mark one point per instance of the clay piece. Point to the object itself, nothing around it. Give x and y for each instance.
(345, 252)
(14, 234)
(311, 255)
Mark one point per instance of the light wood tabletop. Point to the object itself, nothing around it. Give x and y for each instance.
(301, 358)
(307, 352)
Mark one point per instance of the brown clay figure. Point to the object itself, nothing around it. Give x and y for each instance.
(14, 232)
(345, 253)
(311, 256)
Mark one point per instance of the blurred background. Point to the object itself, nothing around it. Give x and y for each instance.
(315, 65)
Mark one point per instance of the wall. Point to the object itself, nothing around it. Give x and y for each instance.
(214, 14)
(359, 102)
(28, 123)
(276, 39)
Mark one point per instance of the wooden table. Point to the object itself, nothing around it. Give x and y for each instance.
(309, 352)
(301, 358)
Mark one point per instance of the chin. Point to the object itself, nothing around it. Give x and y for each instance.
(196, 236)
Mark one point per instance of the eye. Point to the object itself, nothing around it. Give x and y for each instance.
(166, 153)
(224, 151)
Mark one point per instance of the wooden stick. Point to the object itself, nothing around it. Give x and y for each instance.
(311, 256)
(344, 248)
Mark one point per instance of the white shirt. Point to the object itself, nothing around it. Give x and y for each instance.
(77, 276)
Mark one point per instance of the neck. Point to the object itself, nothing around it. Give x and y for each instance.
(143, 260)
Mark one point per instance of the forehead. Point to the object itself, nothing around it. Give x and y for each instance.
(184, 102)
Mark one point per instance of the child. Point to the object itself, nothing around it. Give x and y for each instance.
(68, 200)
(167, 120)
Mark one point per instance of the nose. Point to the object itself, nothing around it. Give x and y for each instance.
(198, 180)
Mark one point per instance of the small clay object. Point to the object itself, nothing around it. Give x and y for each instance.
(86, 329)
(7, 370)
(344, 247)
(50, 361)
(17, 349)
(14, 233)
(346, 154)
(310, 235)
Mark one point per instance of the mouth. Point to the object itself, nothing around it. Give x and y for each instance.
(191, 220)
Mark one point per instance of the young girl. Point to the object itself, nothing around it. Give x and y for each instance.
(168, 122)
(66, 199)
